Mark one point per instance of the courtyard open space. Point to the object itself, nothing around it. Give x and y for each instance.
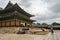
(48, 36)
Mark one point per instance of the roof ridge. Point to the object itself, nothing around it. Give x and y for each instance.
(9, 4)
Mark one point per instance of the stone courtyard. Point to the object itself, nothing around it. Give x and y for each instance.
(55, 36)
(49, 36)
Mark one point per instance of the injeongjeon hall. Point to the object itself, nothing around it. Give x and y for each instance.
(13, 15)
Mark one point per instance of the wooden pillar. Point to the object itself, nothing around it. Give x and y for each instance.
(1, 23)
(15, 22)
(25, 25)
(19, 23)
(5, 23)
(10, 23)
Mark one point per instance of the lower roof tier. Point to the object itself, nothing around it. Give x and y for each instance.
(15, 17)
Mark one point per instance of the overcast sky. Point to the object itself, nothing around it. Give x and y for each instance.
(47, 11)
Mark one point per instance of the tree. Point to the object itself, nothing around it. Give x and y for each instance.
(54, 23)
(38, 23)
(1, 8)
(44, 24)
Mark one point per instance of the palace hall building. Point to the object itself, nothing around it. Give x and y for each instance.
(13, 15)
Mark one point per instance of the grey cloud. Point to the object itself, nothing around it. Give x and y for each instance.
(3, 3)
(56, 8)
(51, 1)
(47, 17)
(26, 3)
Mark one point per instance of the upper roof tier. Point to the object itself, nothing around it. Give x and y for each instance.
(11, 8)
(9, 5)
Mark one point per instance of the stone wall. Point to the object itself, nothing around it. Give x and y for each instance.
(4, 30)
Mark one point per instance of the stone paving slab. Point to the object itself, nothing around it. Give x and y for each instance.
(21, 37)
(55, 36)
(49, 36)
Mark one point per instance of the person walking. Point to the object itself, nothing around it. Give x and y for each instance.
(51, 29)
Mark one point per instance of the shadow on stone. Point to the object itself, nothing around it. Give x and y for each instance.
(19, 32)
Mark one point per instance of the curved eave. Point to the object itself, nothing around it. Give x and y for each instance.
(15, 17)
(18, 8)
(15, 8)
(12, 10)
(33, 20)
